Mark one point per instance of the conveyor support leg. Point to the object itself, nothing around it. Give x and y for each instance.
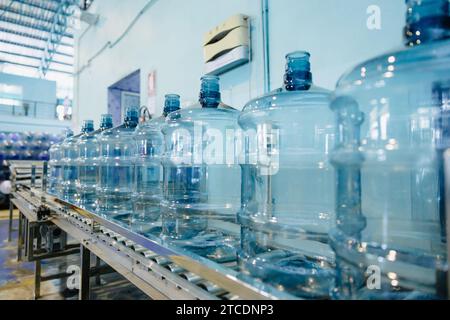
(85, 273)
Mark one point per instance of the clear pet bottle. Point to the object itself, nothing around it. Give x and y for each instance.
(392, 116)
(115, 180)
(201, 176)
(148, 183)
(288, 193)
(69, 164)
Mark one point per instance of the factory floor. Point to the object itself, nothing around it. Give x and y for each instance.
(17, 278)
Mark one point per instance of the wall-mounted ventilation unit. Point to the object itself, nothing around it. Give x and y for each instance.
(227, 46)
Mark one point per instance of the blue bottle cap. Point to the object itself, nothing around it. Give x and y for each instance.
(88, 126)
(210, 92)
(171, 104)
(132, 116)
(298, 74)
(106, 121)
(68, 133)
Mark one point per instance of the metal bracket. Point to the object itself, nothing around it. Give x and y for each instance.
(43, 213)
(95, 226)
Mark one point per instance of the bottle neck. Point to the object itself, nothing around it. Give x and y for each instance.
(131, 117)
(129, 123)
(298, 80)
(210, 99)
(169, 111)
(210, 92)
(106, 122)
(298, 74)
(69, 134)
(105, 127)
(171, 104)
(88, 127)
(427, 21)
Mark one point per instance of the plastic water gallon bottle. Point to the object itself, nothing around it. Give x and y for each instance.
(288, 193)
(88, 158)
(148, 185)
(392, 113)
(70, 166)
(56, 167)
(201, 175)
(115, 180)
(87, 147)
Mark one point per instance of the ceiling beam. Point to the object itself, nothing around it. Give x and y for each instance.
(34, 47)
(34, 67)
(39, 27)
(34, 5)
(13, 10)
(34, 57)
(31, 36)
(58, 29)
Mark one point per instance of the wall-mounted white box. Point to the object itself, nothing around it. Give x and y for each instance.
(227, 46)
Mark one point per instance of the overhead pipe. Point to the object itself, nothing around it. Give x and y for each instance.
(447, 209)
(266, 47)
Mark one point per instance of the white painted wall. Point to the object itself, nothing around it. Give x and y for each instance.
(334, 32)
(168, 37)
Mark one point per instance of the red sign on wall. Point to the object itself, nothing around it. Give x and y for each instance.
(151, 104)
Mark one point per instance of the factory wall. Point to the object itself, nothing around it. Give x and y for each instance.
(167, 38)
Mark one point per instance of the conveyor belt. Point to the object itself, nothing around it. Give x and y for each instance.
(159, 270)
(163, 272)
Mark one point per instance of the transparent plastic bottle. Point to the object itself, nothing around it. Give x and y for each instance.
(14, 137)
(88, 158)
(34, 145)
(54, 138)
(87, 151)
(115, 178)
(21, 150)
(10, 154)
(201, 177)
(3, 137)
(148, 183)
(58, 188)
(43, 156)
(55, 166)
(392, 116)
(69, 165)
(288, 192)
(44, 145)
